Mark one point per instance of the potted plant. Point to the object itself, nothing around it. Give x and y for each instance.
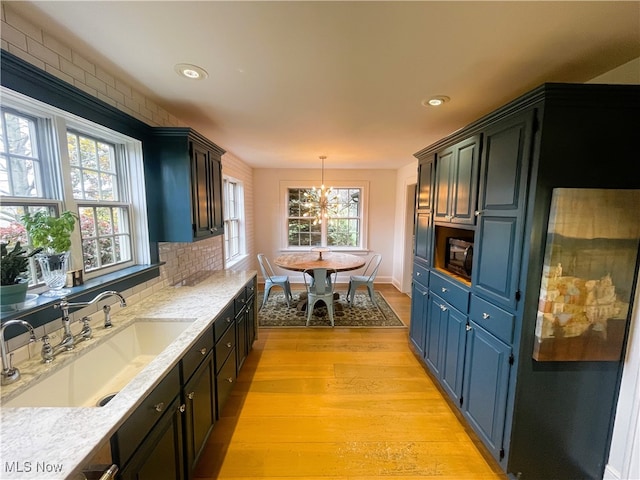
(13, 267)
(53, 235)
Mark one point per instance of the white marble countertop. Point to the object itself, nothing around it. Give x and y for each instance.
(54, 443)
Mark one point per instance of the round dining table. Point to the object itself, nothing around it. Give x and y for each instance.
(299, 262)
(319, 258)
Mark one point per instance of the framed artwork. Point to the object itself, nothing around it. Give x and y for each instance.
(588, 276)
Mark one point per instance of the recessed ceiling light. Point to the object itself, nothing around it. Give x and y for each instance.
(192, 72)
(435, 101)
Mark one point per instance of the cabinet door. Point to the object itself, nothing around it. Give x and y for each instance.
(424, 237)
(160, 454)
(445, 165)
(251, 322)
(217, 219)
(453, 349)
(201, 188)
(417, 328)
(486, 383)
(465, 182)
(199, 400)
(425, 180)
(456, 182)
(503, 190)
(241, 338)
(436, 321)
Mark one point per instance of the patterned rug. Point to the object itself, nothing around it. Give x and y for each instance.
(361, 314)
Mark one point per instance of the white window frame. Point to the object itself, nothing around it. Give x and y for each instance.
(284, 215)
(60, 180)
(239, 220)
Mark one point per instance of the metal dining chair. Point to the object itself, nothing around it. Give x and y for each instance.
(320, 285)
(271, 279)
(366, 279)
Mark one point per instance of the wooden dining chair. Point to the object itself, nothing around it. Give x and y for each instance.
(270, 280)
(320, 285)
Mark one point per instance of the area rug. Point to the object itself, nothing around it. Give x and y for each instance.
(361, 314)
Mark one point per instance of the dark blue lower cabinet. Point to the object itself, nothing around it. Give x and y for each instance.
(487, 365)
(417, 328)
(161, 454)
(453, 333)
(436, 318)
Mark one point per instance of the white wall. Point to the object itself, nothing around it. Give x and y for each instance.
(381, 213)
(403, 250)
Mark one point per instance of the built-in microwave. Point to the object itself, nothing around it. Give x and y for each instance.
(459, 257)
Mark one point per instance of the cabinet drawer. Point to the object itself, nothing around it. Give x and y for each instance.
(224, 347)
(491, 318)
(452, 293)
(421, 274)
(223, 321)
(139, 424)
(225, 380)
(196, 354)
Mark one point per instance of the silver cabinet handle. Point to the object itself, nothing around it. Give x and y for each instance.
(203, 351)
(159, 407)
(110, 473)
(417, 274)
(228, 319)
(477, 213)
(229, 344)
(182, 408)
(191, 395)
(444, 290)
(443, 308)
(485, 316)
(230, 380)
(468, 327)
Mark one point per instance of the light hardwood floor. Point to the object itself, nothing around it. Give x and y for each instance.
(340, 404)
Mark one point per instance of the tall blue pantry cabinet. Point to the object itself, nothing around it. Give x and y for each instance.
(491, 184)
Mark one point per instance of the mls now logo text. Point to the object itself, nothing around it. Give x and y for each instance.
(27, 467)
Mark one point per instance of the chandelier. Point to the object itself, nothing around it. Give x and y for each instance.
(317, 201)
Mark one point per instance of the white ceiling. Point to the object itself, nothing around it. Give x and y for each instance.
(290, 81)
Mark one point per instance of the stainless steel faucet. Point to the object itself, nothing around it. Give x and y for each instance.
(68, 339)
(9, 373)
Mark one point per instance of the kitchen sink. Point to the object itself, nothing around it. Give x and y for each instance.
(100, 372)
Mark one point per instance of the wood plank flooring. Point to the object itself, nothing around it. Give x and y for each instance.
(340, 404)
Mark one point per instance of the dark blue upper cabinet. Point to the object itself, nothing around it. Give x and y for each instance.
(425, 184)
(456, 182)
(503, 188)
(184, 186)
(423, 249)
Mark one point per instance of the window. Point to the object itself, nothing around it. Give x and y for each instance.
(343, 226)
(53, 160)
(233, 226)
(96, 185)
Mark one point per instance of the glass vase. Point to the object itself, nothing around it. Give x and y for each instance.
(54, 272)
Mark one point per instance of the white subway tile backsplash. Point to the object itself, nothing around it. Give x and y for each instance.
(70, 69)
(96, 83)
(54, 44)
(27, 57)
(105, 76)
(14, 36)
(23, 24)
(83, 63)
(57, 73)
(45, 54)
